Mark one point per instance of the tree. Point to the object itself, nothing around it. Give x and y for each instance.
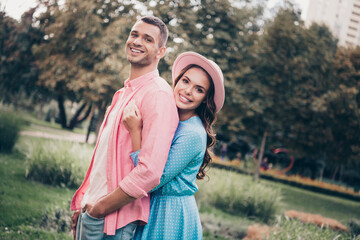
(224, 31)
(82, 56)
(292, 68)
(18, 72)
(304, 91)
(338, 108)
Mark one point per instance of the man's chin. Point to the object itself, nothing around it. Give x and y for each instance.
(138, 64)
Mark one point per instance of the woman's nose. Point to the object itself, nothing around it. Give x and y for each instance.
(188, 90)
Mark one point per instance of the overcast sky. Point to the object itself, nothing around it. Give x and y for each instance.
(15, 8)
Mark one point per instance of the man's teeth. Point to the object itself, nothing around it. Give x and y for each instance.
(136, 51)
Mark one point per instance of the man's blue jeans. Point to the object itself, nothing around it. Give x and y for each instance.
(90, 228)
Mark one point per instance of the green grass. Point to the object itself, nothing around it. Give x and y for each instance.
(36, 124)
(28, 232)
(57, 162)
(220, 225)
(307, 201)
(24, 203)
(10, 127)
(292, 198)
(239, 197)
(293, 229)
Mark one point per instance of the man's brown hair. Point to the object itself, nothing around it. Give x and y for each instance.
(161, 25)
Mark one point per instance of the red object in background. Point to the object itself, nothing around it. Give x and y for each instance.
(279, 150)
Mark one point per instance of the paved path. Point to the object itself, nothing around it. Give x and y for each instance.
(51, 133)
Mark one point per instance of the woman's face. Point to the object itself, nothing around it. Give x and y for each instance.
(190, 91)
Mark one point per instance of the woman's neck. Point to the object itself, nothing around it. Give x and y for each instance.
(185, 115)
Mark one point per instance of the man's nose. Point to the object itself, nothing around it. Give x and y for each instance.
(137, 41)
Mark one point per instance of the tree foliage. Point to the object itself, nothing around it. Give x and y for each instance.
(18, 71)
(282, 79)
(81, 58)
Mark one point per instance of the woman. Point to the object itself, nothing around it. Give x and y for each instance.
(199, 94)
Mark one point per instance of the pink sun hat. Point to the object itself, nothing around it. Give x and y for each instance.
(188, 58)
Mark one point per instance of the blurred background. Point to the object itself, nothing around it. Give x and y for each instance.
(291, 115)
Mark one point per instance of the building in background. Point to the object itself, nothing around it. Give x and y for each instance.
(341, 16)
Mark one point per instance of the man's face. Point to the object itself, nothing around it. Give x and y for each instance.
(142, 45)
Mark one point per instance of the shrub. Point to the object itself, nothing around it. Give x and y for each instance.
(240, 195)
(354, 226)
(10, 126)
(58, 221)
(222, 228)
(60, 163)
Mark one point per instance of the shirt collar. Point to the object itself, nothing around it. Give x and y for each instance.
(140, 81)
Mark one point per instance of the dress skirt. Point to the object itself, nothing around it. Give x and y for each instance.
(171, 217)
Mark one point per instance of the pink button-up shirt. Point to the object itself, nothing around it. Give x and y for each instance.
(154, 97)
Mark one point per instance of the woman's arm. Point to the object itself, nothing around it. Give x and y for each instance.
(133, 123)
(183, 151)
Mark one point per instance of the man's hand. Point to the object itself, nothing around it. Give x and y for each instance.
(74, 219)
(94, 210)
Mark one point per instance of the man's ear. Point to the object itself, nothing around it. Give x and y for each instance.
(161, 52)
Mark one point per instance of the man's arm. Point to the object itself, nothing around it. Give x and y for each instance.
(160, 120)
(108, 204)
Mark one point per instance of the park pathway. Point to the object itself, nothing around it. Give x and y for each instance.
(51, 133)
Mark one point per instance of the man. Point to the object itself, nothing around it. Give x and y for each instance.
(113, 197)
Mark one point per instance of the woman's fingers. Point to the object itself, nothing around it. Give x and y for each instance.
(137, 111)
(132, 117)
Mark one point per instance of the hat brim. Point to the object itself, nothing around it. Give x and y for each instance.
(209, 66)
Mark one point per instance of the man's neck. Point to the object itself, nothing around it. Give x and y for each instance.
(136, 72)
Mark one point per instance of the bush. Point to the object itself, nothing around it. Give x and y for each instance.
(58, 221)
(240, 195)
(354, 226)
(58, 163)
(10, 126)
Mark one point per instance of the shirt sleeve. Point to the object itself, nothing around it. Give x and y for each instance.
(160, 120)
(183, 151)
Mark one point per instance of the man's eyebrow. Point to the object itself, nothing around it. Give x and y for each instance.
(149, 36)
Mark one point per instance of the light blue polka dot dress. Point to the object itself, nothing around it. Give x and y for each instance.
(173, 210)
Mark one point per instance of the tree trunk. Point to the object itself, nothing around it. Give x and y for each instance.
(335, 172)
(261, 154)
(75, 119)
(102, 110)
(322, 173)
(341, 172)
(90, 125)
(41, 110)
(62, 113)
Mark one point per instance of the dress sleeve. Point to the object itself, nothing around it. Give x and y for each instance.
(183, 150)
(135, 157)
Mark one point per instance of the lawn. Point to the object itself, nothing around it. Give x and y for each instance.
(294, 198)
(317, 203)
(31, 210)
(24, 204)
